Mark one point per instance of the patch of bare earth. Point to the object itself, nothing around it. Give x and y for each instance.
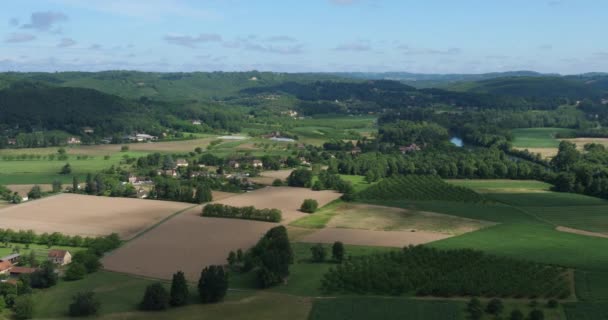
(544, 152)
(92, 216)
(268, 177)
(23, 189)
(164, 146)
(581, 232)
(373, 238)
(189, 242)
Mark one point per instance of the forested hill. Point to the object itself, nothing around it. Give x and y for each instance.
(35, 106)
(164, 86)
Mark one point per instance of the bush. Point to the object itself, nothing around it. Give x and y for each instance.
(75, 271)
(516, 315)
(474, 309)
(213, 284)
(337, 251)
(494, 307)
(247, 213)
(318, 253)
(45, 277)
(536, 315)
(89, 260)
(277, 183)
(66, 169)
(309, 206)
(300, 178)
(84, 304)
(179, 290)
(35, 192)
(552, 304)
(24, 307)
(155, 298)
(124, 148)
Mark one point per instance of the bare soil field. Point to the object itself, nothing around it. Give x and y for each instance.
(88, 215)
(23, 189)
(581, 232)
(189, 242)
(373, 238)
(286, 199)
(165, 146)
(380, 218)
(581, 142)
(268, 177)
(544, 152)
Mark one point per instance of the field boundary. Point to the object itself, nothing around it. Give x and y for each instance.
(154, 226)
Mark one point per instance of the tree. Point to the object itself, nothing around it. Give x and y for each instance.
(66, 169)
(516, 315)
(75, 271)
(16, 198)
(300, 178)
(309, 206)
(57, 186)
(566, 157)
(89, 260)
(155, 298)
(213, 284)
(536, 315)
(494, 307)
(231, 259)
(277, 183)
(474, 308)
(45, 277)
(179, 290)
(75, 186)
(35, 192)
(318, 253)
(203, 194)
(124, 148)
(337, 251)
(84, 304)
(552, 303)
(24, 307)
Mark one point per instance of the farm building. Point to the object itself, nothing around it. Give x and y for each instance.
(5, 267)
(257, 164)
(411, 148)
(17, 271)
(13, 258)
(355, 150)
(73, 140)
(181, 163)
(234, 164)
(88, 130)
(60, 257)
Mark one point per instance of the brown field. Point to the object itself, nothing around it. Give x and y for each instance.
(373, 238)
(268, 177)
(580, 144)
(581, 232)
(189, 242)
(23, 189)
(88, 215)
(167, 146)
(380, 218)
(544, 152)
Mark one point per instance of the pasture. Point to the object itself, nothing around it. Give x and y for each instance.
(501, 185)
(359, 237)
(92, 216)
(190, 242)
(537, 137)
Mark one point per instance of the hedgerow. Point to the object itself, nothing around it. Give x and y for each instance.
(248, 213)
(432, 272)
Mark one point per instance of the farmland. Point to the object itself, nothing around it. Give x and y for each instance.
(87, 215)
(385, 308)
(537, 137)
(502, 185)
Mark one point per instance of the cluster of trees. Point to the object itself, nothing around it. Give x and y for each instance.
(166, 188)
(444, 273)
(404, 133)
(495, 307)
(319, 252)
(212, 288)
(332, 181)
(300, 178)
(269, 259)
(247, 213)
(415, 187)
(58, 239)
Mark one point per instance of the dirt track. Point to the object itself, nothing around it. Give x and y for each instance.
(581, 232)
(87, 215)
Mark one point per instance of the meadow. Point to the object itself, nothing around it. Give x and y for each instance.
(501, 185)
(538, 137)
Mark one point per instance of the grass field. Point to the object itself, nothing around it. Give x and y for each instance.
(385, 308)
(589, 218)
(537, 137)
(502, 185)
(40, 250)
(319, 219)
(592, 286)
(586, 311)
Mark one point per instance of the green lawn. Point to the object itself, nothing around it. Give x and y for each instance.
(358, 182)
(546, 199)
(592, 286)
(587, 311)
(537, 137)
(319, 219)
(493, 185)
(589, 218)
(41, 250)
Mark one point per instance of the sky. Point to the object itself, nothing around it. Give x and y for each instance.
(421, 36)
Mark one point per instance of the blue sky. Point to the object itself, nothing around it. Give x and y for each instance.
(430, 36)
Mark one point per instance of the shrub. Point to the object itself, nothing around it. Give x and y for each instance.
(337, 251)
(124, 148)
(494, 307)
(552, 303)
(179, 290)
(75, 271)
(516, 315)
(24, 307)
(536, 315)
(277, 183)
(213, 284)
(309, 206)
(89, 260)
(66, 169)
(155, 298)
(300, 178)
(318, 253)
(35, 192)
(45, 277)
(84, 304)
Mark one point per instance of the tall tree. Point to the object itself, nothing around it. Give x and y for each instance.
(213, 284)
(179, 290)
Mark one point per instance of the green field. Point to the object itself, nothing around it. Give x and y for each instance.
(586, 311)
(45, 171)
(592, 286)
(41, 250)
(365, 308)
(319, 219)
(537, 137)
(495, 185)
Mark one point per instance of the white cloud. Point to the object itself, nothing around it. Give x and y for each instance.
(192, 41)
(148, 9)
(66, 42)
(19, 37)
(44, 21)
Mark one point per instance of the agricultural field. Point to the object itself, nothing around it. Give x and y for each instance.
(538, 137)
(316, 131)
(501, 185)
(41, 251)
(92, 216)
(23, 189)
(268, 177)
(395, 239)
(200, 241)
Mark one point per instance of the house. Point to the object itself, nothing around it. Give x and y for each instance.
(141, 137)
(88, 130)
(181, 163)
(303, 161)
(142, 193)
(196, 122)
(12, 142)
(355, 150)
(257, 164)
(13, 258)
(168, 172)
(5, 267)
(274, 134)
(411, 148)
(60, 257)
(233, 164)
(17, 271)
(73, 140)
